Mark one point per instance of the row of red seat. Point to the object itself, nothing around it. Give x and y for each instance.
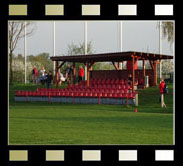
(126, 86)
(117, 81)
(85, 90)
(105, 82)
(74, 94)
(108, 81)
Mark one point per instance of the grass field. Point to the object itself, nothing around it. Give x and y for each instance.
(57, 123)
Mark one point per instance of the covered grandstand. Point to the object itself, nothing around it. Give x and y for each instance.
(103, 87)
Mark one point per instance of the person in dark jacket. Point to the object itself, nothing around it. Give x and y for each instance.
(69, 73)
(49, 79)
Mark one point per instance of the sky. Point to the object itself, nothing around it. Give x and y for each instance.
(104, 35)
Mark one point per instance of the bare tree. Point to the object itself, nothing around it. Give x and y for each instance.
(15, 33)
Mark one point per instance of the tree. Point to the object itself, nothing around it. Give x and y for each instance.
(15, 33)
(74, 49)
(167, 66)
(168, 31)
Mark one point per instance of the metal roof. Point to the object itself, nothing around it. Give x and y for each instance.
(111, 57)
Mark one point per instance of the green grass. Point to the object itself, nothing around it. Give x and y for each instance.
(57, 123)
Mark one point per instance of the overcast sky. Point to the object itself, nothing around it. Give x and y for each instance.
(104, 35)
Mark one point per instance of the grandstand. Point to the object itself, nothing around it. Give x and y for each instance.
(101, 87)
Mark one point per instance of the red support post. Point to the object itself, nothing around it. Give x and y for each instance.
(88, 75)
(133, 73)
(144, 72)
(74, 73)
(155, 73)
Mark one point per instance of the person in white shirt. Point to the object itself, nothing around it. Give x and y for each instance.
(61, 78)
(42, 76)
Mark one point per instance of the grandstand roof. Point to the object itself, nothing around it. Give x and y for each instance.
(111, 57)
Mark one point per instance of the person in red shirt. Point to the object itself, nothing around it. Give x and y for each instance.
(161, 89)
(34, 74)
(80, 73)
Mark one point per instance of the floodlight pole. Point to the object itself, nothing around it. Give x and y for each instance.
(85, 42)
(25, 51)
(54, 46)
(160, 48)
(121, 47)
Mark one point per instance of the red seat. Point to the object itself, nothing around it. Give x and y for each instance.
(104, 86)
(119, 87)
(88, 90)
(128, 86)
(113, 86)
(116, 91)
(121, 91)
(109, 86)
(130, 95)
(107, 81)
(98, 82)
(38, 89)
(102, 90)
(38, 93)
(90, 94)
(109, 94)
(95, 86)
(111, 81)
(100, 86)
(111, 90)
(97, 91)
(46, 93)
(114, 95)
(18, 93)
(62, 93)
(125, 95)
(75, 94)
(103, 81)
(99, 94)
(66, 93)
(123, 86)
(116, 81)
(42, 93)
(104, 94)
(125, 90)
(85, 94)
(80, 94)
(94, 94)
(70, 94)
(54, 93)
(120, 95)
(107, 90)
(121, 82)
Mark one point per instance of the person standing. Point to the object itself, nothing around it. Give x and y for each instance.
(34, 75)
(69, 73)
(49, 80)
(42, 75)
(80, 74)
(61, 78)
(161, 89)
